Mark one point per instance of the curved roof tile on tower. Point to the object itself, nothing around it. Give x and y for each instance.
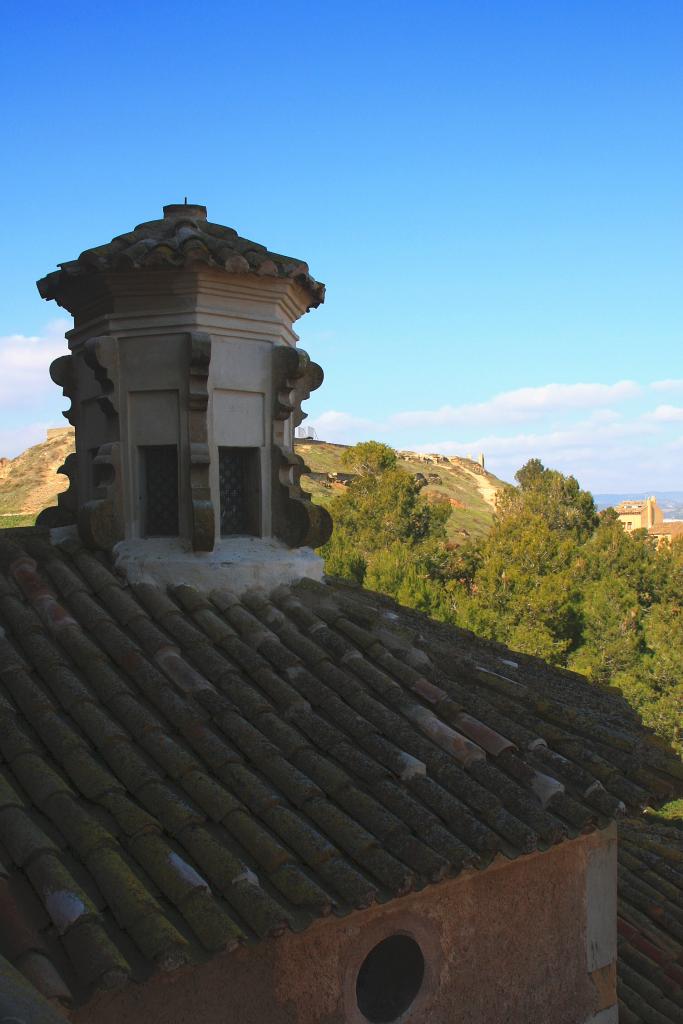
(183, 239)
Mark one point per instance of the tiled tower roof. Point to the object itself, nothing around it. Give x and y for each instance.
(184, 238)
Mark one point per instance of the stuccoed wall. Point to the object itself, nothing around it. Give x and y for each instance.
(531, 941)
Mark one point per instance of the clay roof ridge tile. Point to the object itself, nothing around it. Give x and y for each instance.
(63, 898)
(179, 671)
(463, 749)
(642, 884)
(659, 1007)
(188, 597)
(98, 577)
(44, 976)
(546, 787)
(25, 572)
(495, 679)
(223, 598)
(486, 737)
(456, 814)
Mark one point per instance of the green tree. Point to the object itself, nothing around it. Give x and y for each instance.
(522, 591)
(654, 685)
(369, 458)
(558, 499)
(612, 638)
(389, 537)
(553, 578)
(405, 572)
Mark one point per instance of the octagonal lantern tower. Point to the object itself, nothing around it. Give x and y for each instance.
(186, 388)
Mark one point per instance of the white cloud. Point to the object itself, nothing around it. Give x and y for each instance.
(604, 450)
(667, 385)
(25, 363)
(518, 406)
(667, 414)
(521, 405)
(342, 426)
(588, 434)
(613, 454)
(14, 440)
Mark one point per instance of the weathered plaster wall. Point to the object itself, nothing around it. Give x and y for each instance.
(526, 942)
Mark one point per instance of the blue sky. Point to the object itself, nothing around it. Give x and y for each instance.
(491, 191)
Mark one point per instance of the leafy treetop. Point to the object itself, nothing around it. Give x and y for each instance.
(369, 458)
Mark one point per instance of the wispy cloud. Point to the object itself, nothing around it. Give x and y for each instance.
(25, 362)
(667, 414)
(603, 454)
(342, 424)
(603, 433)
(14, 440)
(522, 404)
(667, 385)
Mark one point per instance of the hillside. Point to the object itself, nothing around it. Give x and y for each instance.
(30, 482)
(462, 483)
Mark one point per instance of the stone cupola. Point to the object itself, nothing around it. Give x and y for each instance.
(186, 388)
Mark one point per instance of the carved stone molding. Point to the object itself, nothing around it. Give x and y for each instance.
(62, 373)
(64, 512)
(202, 525)
(100, 520)
(101, 354)
(296, 520)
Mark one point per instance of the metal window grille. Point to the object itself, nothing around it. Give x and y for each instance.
(160, 490)
(239, 491)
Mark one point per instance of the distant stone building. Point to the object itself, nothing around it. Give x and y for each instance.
(639, 515)
(647, 515)
(667, 531)
(233, 790)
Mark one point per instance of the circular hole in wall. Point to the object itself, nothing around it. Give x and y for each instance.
(389, 979)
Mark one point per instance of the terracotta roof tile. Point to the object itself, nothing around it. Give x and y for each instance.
(650, 926)
(183, 239)
(23, 995)
(191, 771)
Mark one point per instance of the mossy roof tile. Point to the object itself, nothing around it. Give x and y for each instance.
(97, 961)
(301, 890)
(23, 838)
(213, 925)
(169, 807)
(223, 768)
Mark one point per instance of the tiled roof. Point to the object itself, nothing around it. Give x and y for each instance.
(184, 238)
(669, 528)
(20, 1001)
(650, 922)
(626, 508)
(181, 772)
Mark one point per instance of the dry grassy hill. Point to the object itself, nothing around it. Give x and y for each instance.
(30, 482)
(462, 483)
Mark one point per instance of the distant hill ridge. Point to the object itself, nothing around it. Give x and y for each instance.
(468, 488)
(30, 482)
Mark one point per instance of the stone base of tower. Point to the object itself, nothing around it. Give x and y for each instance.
(236, 563)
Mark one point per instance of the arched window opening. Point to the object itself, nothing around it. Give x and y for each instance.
(389, 979)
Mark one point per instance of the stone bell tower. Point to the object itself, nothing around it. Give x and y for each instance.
(186, 388)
